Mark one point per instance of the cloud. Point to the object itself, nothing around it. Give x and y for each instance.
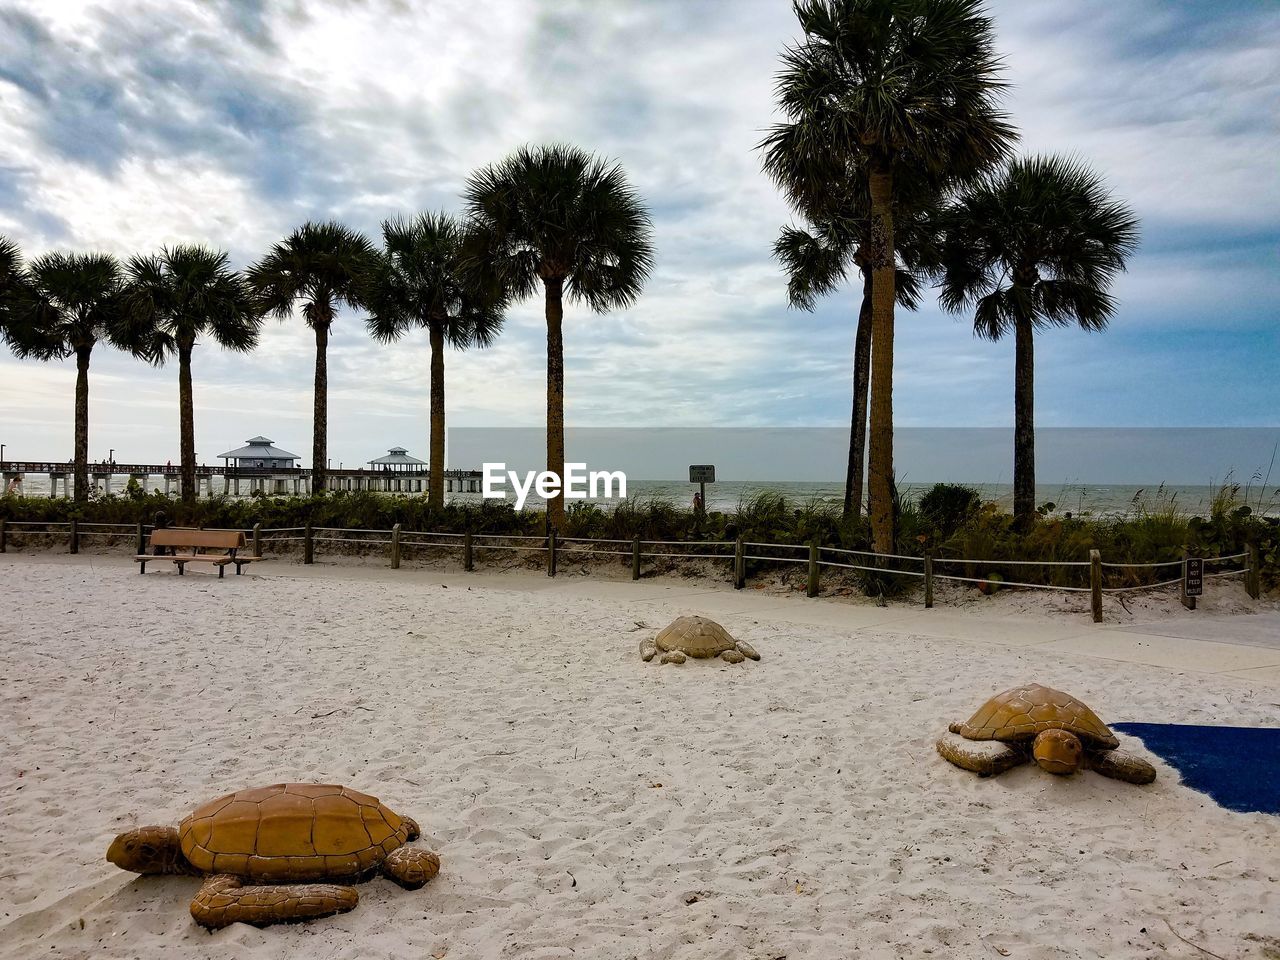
(128, 125)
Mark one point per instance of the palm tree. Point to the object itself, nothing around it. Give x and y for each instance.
(1036, 244)
(64, 305)
(819, 257)
(892, 85)
(323, 265)
(174, 299)
(559, 215)
(419, 284)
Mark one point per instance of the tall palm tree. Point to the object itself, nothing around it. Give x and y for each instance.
(419, 283)
(821, 255)
(559, 216)
(65, 304)
(323, 265)
(1036, 244)
(185, 293)
(892, 85)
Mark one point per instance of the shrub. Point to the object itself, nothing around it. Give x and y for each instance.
(946, 506)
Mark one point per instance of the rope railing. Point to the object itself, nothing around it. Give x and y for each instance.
(869, 553)
(1016, 563)
(1010, 583)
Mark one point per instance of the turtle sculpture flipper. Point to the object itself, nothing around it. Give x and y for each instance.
(696, 637)
(265, 852)
(984, 757)
(224, 900)
(1033, 722)
(1119, 765)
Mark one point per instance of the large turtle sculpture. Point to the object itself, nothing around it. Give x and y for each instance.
(1048, 726)
(696, 637)
(262, 850)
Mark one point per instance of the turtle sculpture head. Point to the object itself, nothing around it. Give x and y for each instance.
(148, 850)
(1058, 751)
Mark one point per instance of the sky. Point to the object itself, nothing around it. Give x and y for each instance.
(131, 125)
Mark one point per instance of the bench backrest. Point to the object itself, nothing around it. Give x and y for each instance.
(177, 537)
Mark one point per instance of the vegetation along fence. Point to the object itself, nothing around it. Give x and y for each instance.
(1090, 576)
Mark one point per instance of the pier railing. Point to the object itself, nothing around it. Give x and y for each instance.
(1093, 576)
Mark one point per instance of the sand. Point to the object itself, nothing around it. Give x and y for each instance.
(585, 803)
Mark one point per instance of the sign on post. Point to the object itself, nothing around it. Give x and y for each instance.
(1193, 577)
(702, 474)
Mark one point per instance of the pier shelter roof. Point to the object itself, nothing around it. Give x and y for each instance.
(398, 458)
(259, 448)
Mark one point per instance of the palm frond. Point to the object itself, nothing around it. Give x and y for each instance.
(1042, 240)
(182, 294)
(558, 212)
(419, 281)
(320, 264)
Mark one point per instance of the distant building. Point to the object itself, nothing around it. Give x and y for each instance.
(259, 454)
(398, 460)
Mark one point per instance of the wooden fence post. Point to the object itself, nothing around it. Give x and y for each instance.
(468, 558)
(395, 547)
(308, 545)
(739, 566)
(635, 559)
(1095, 584)
(140, 537)
(928, 579)
(257, 539)
(1252, 579)
(4, 538)
(551, 552)
(75, 536)
(811, 588)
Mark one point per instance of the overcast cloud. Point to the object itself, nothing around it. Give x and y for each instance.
(130, 125)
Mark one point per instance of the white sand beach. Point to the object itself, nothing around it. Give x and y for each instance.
(587, 804)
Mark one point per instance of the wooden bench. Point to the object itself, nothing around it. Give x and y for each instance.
(196, 546)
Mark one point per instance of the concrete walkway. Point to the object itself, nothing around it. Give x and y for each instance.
(1244, 646)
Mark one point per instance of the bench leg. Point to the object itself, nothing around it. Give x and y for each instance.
(142, 566)
(222, 568)
(182, 569)
(239, 567)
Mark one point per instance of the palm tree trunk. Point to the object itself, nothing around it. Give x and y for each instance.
(555, 396)
(1024, 424)
(82, 424)
(435, 482)
(880, 479)
(858, 428)
(320, 410)
(186, 425)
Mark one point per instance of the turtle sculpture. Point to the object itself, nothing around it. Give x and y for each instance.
(261, 852)
(696, 637)
(1038, 723)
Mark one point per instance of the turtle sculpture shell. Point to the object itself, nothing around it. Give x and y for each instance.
(1023, 712)
(292, 832)
(695, 637)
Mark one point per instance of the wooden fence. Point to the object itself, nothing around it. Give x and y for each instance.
(735, 553)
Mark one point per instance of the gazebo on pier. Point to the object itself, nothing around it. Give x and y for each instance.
(398, 472)
(257, 460)
(259, 454)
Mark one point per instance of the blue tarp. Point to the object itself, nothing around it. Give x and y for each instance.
(1239, 767)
